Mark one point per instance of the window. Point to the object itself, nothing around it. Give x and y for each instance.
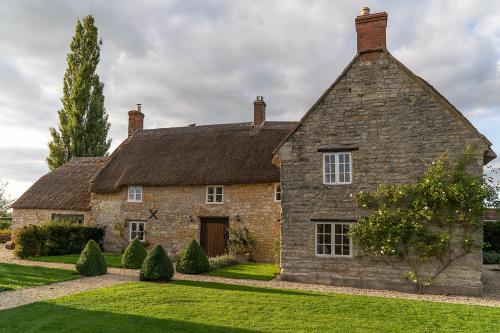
(337, 168)
(135, 194)
(332, 239)
(71, 218)
(137, 230)
(215, 194)
(277, 193)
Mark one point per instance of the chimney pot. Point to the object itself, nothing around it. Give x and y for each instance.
(135, 120)
(259, 111)
(371, 31)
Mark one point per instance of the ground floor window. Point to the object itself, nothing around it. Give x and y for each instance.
(137, 230)
(71, 218)
(332, 239)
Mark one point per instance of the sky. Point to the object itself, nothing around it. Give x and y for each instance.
(205, 61)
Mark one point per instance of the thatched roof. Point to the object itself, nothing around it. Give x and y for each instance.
(66, 188)
(194, 155)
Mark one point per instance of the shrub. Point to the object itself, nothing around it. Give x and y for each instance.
(277, 246)
(240, 242)
(30, 241)
(157, 266)
(67, 238)
(5, 225)
(221, 261)
(91, 261)
(5, 235)
(492, 236)
(491, 258)
(193, 260)
(134, 255)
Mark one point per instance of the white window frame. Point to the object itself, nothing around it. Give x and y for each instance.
(276, 186)
(214, 202)
(133, 195)
(332, 244)
(337, 172)
(137, 223)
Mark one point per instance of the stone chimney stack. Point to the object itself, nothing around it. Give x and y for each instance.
(135, 120)
(259, 111)
(371, 30)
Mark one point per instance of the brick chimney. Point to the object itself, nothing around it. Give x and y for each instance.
(371, 31)
(135, 120)
(259, 111)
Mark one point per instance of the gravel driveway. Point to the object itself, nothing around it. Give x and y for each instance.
(10, 299)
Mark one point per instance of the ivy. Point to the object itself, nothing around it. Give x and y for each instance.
(417, 223)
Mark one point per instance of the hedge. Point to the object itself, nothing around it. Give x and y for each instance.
(492, 236)
(55, 238)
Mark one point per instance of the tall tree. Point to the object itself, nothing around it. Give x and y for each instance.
(83, 121)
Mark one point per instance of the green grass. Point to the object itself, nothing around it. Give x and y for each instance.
(18, 276)
(184, 306)
(112, 259)
(253, 271)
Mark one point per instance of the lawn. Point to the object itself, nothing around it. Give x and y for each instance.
(19, 276)
(112, 259)
(184, 306)
(253, 271)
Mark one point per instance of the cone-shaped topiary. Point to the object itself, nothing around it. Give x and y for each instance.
(134, 255)
(91, 261)
(193, 260)
(157, 266)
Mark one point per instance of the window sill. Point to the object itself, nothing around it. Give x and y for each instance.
(134, 201)
(214, 203)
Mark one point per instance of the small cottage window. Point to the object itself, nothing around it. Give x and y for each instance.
(332, 239)
(277, 193)
(337, 168)
(71, 218)
(215, 194)
(135, 194)
(137, 230)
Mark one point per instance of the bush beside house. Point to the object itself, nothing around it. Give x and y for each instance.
(157, 266)
(91, 261)
(491, 250)
(134, 255)
(193, 260)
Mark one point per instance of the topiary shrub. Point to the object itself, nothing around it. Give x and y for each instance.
(193, 260)
(134, 255)
(91, 261)
(30, 241)
(157, 266)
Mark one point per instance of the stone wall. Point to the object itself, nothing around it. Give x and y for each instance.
(253, 203)
(22, 217)
(399, 126)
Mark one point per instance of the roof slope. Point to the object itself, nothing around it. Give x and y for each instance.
(195, 155)
(65, 188)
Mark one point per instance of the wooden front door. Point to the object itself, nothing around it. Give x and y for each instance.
(213, 235)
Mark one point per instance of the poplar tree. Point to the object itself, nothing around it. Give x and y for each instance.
(83, 121)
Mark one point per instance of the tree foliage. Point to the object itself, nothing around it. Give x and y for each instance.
(434, 219)
(83, 121)
(5, 201)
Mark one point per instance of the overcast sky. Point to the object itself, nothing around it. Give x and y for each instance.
(205, 61)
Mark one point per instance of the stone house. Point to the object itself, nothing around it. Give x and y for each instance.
(170, 185)
(377, 123)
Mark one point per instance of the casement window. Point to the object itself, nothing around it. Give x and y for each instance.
(135, 193)
(215, 194)
(277, 193)
(337, 168)
(71, 218)
(332, 239)
(137, 230)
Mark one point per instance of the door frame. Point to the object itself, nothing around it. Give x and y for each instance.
(205, 219)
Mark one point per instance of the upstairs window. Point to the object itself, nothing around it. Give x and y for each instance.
(337, 168)
(135, 194)
(277, 193)
(332, 239)
(215, 194)
(137, 230)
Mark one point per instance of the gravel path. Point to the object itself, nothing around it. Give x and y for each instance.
(19, 297)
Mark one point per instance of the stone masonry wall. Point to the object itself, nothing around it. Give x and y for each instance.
(399, 128)
(253, 203)
(22, 217)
